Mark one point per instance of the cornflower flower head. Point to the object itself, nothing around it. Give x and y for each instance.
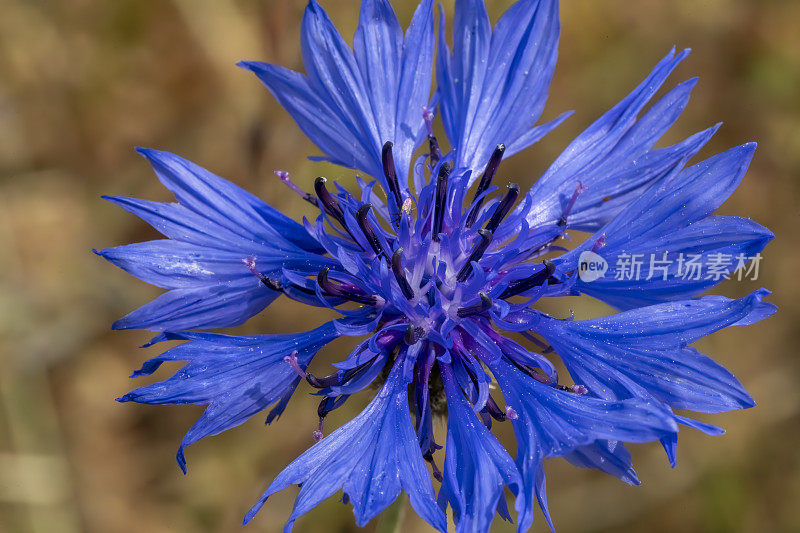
(435, 261)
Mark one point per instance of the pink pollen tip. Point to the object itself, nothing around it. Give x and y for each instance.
(580, 389)
(292, 360)
(599, 243)
(578, 190)
(250, 263)
(427, 116)
(511, 413)
(317, 435)
(287, 180)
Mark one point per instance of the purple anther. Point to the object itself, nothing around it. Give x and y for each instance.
(511, 413)
(494, 410)
(308, 197)
(477, 309)
(327, 200)
(486, 181)
(292, 360)
(250, 263)
(518, 287)
(578, 191)
(504, 207)
(342, 292)
(389, 170)
(368, 230)
(440, 200)
(400, 274)
(413, 334)
(477, 253)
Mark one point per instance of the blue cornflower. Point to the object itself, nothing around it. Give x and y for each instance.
(437, 270)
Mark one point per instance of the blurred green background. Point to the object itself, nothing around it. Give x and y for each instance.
(82, 82)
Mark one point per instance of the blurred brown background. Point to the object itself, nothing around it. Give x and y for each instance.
(82, 82)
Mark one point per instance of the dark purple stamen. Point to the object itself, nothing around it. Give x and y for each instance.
(436, 152)
(337, 290)
(485, 305)
(400, 274)
(503, 207)
(327, 405)
(433, 143)
(273, 284)
(333, 379)
(387, 157)
(323, 382)
(541, 378)
(413, 334)
(329, 203)
(437, 474)
(441, 199)
(477, 253)
(368, 230)
(494, 410)
(537, 279)
(486, 418)
(486, 181)
(546, 348)
(308, 197)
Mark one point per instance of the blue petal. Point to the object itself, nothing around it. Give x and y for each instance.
(235, 376)
(673, 216)
(612, 143)
(317, 117)
(611, 191)
(350, 104)
(333, 72)
(414, 86)
(171, 264)
(225, 205)
(476, 466)
(378, 46)
(494, 86)
(371, 458)
(212, 230)
(682, 198)
(554, 423)
(643, 353)
(203, 307)
(610, 457)
(728, 238)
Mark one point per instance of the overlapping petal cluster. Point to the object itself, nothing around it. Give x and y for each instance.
(435, 267)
